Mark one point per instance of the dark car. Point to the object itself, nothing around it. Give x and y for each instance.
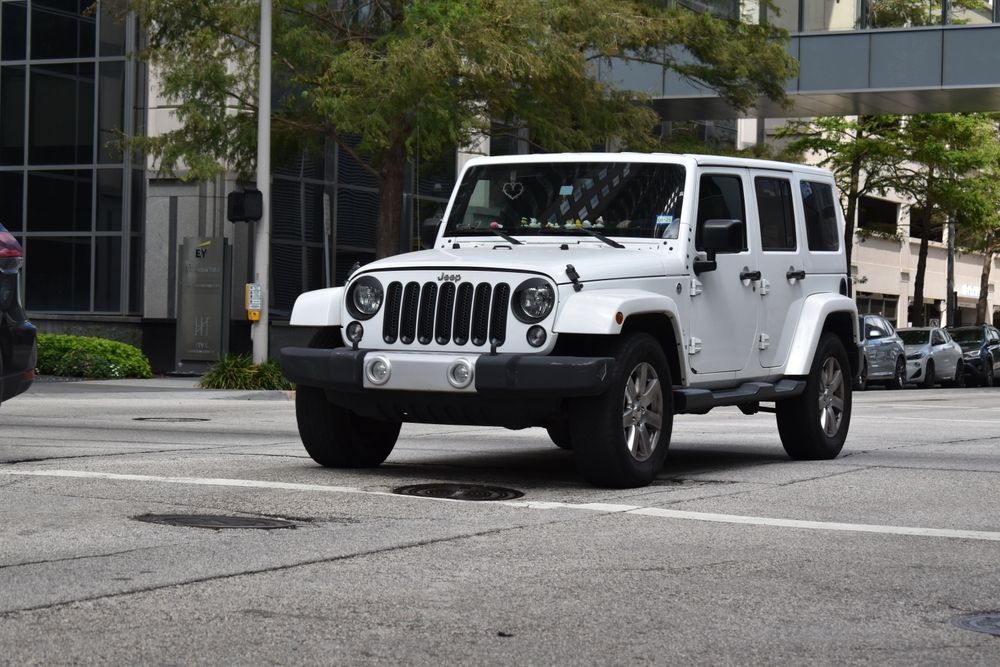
(883, 358)
(980, 351)
(18, 347)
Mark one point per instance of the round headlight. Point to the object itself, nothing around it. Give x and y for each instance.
(365, 297)
(533, 300)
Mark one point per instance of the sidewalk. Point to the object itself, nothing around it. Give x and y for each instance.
(47, 385)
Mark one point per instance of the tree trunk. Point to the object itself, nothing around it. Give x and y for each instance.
(984, 282)
(390, 199)
(851, 213)
(917, 309)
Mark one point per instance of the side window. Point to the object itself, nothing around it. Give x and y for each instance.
(777, 216)
(876, 325)
(936, 338)
(720, 197)
(821, 216)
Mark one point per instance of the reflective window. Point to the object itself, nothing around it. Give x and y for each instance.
(57, 269)
(62, 29)
(112, 33)
(13, 30)
(12, 114)
(110, 111)
(59, 201)
(61, 130)
(11, 193)
(109, 200)
(776, 213)
(822, 230)
(107, 273)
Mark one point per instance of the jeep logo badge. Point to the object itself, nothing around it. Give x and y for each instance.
(450, 277)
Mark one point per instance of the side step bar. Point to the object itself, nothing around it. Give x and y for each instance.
(699, 401)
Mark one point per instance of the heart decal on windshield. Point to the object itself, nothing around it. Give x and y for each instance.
(513, 190)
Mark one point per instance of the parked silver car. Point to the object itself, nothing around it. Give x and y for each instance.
(932, 357)
(883, 357)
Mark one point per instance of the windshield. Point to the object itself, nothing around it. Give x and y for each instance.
(637, 199)
(915, 336)
(967, 335)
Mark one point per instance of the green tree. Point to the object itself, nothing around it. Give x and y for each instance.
(942, 174)
(860, 151)
(391, 80)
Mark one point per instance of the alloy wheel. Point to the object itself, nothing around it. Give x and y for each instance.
(832, 392)
(642, 411)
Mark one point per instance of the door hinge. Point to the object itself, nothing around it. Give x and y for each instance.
(695, 287)
(765, 286)
(694, 347)
(764, 342)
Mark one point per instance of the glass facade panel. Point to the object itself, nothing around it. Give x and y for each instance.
(112, 33)
(356, 210)
(13, 30)
(61, 130)
(11, 198)
(110, 111)
(108, 273)
(57, 273)
(59, 201)
(12, 80)
(62, 29)
(109, 200)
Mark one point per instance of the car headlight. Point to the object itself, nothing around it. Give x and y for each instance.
(533, 300)
(914, 356)
(972, 354)
(365, 297)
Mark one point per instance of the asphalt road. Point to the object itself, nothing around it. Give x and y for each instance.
(734, 556)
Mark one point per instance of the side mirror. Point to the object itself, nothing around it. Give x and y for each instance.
(873, 333)
(428, 232)
(718, 236)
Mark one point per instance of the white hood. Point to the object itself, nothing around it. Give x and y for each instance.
(592, 261)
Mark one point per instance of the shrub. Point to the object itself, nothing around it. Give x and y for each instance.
(90, 357)
(239, 372)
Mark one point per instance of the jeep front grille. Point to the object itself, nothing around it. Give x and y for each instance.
(444, 314)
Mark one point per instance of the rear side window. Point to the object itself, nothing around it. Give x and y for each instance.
(720, 197)
(776, 213)
(821, 216)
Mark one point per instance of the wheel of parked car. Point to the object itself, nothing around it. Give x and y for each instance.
(928, 381)
(898, 380)
(559, 435)
(959, 379)
(620, 438)
(814, 424)
(334, 436)
(861, 382)
(989, 380)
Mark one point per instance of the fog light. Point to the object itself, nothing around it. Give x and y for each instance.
(355, 332)
(378, 370)
(536, 336)
(460, 374)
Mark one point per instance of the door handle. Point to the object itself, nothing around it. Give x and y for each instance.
(793, 274)
(749, 275)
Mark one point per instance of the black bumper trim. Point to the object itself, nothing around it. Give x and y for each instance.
(342, 369)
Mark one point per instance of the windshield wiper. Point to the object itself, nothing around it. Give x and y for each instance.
(504, 235)
(596, 235)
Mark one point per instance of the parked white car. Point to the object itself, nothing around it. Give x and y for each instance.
(932, 357)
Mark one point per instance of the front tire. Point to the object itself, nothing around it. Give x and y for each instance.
(898, 380)
(334, 436)
(813, 425)
(620, 438)
(928, 382)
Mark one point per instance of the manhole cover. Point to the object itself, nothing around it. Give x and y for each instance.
(988, 622)
(170, 419)
(214, 521)
(459, 491)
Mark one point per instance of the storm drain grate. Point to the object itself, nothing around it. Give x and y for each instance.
(988, 622)
(458, 491)
(214, 521)
(170, 419)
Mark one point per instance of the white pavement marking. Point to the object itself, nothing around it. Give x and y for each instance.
(605, 508)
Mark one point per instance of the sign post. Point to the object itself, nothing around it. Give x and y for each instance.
(202, 316)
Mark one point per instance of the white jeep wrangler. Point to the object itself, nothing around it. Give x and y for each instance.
(596, 295)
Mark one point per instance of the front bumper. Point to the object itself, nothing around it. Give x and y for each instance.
(343, 370)
(975, 366)
(915, 369)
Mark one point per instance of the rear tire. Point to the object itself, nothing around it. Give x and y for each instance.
(334, 436)
(988, 379)
(813, 425)
(861, 382)
(620, 438)
(559, 435)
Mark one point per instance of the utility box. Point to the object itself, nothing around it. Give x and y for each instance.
(203, 308)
